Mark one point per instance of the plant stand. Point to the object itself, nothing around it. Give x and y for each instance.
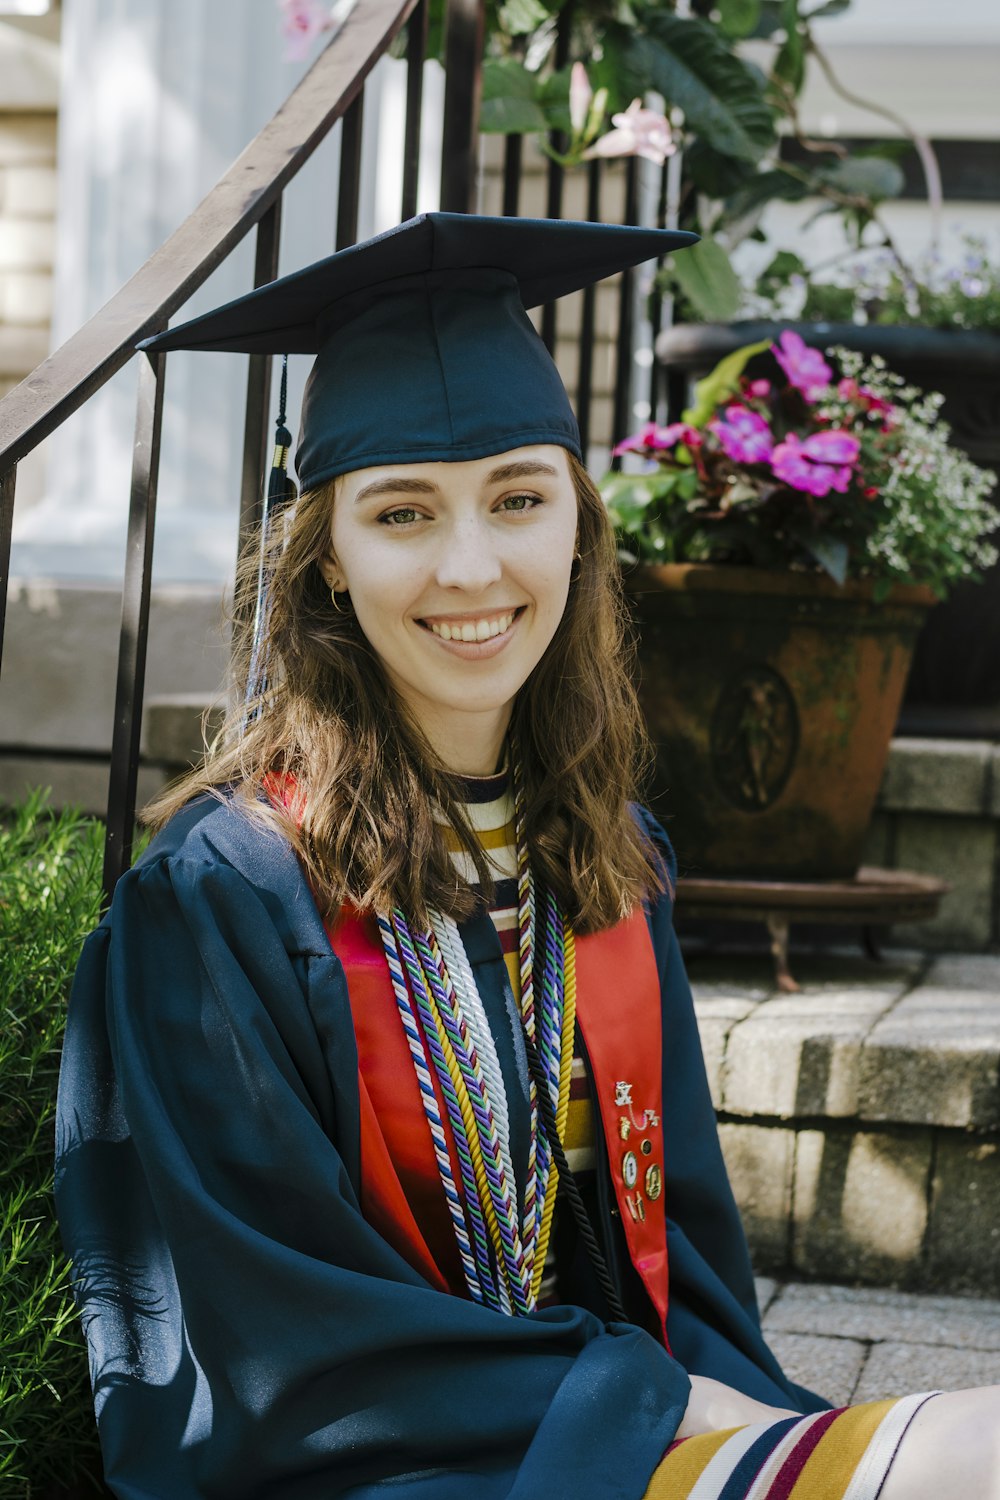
(873, 897)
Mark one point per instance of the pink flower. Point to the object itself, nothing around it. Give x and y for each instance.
(759, 389)
(806, 368)
(301, 23)
(656, 438)
(824, 462)
(744, 435)
(848, 390)
(639, 132)
(580, 96)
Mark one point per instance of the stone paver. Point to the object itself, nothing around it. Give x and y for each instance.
(717, 1015)
(800, 1054)
(898, 1369)
(860, 1205)
(873, 1314)
(947, 776)
(862, 1344)
(963, 1241)
(829, 1366)
(934, 1059)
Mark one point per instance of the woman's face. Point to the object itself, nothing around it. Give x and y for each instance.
(458, 574)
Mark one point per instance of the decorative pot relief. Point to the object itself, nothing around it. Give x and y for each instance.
(754, 738)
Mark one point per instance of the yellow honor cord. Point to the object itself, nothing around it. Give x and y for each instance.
(472, 1136)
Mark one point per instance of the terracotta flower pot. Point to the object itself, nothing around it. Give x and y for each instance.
(771, 699)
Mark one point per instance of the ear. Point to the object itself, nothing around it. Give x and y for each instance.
(330, 570)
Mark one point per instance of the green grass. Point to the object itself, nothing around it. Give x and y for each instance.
(50, 869)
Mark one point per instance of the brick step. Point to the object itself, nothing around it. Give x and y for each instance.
(860, 1119)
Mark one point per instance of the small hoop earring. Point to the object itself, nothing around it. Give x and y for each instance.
(333, 600)
(574, 571)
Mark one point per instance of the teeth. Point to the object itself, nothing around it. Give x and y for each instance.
(473, 630)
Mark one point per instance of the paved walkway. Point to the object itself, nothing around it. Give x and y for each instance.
(861, 1344)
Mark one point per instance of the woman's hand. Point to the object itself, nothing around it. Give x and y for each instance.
(714, 1407)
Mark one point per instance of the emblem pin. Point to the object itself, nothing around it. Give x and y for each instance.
(646, 1147)
(624, 1128)
(630, 1169)
(623, 1093)
(654, 1182)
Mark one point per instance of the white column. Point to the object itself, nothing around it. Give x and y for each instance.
(158, 98)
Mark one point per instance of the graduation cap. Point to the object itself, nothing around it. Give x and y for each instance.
(424, 350)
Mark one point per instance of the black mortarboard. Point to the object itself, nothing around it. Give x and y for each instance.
(423, 347)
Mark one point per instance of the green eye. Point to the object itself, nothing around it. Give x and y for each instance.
(401, 517)
(519, 502)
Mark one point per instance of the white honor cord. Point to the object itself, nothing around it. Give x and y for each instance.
(457, 963)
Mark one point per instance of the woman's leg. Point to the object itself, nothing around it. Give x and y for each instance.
(950, 1449)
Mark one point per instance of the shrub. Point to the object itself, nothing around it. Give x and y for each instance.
(50, 866)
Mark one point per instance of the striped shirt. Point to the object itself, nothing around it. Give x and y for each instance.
(488, 802)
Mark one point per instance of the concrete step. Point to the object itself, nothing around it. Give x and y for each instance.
(861, 1118)
(861, 1344)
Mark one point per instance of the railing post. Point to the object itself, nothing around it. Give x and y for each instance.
(416, 53)
(8, 480)
(255, 427)
(585, 378)
(465, 22)
(135, 621)
(350, 173)
(623, 373)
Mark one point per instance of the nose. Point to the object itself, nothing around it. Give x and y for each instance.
(468, 558)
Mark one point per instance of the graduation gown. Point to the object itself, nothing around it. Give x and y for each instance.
(251, 1333)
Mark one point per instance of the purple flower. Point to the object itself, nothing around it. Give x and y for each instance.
(824, 462)
(744, 435)
(806, 368)
(651, 437)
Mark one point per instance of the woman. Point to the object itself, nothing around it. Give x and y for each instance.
(382, 1110)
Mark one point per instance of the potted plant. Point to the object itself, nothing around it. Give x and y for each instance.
(783, 542)
(937, 323)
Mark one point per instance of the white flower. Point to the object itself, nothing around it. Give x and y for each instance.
(638, 132)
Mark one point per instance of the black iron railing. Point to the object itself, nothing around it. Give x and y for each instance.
(249, 197)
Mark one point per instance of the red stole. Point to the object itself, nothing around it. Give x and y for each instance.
(618, 1011)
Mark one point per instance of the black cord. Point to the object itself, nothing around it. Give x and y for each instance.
(568, 1182)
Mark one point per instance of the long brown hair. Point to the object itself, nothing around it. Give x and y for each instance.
(365, 778)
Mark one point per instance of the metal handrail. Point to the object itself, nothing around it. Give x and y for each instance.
(249, 194)
(239, 200)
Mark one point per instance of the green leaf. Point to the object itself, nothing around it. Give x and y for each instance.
(509, 106)
(721, 382)
(706, 278)
(520, 17)
(738, 18)
(780, 270)
(552, 95)
(767, 187)
(873, 177)
(790, 63)
(831, 552)
(692, 65)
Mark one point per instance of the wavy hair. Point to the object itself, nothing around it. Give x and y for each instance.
(365, 779)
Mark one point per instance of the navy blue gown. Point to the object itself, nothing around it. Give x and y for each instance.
(250, 1334)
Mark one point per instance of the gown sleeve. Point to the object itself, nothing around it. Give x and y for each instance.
(250, 1335)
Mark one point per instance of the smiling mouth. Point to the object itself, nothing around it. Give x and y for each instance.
(474, 631)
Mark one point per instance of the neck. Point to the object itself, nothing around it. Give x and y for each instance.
(468, 744)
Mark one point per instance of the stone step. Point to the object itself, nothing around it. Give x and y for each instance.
(863, 1344)
(860, 1119)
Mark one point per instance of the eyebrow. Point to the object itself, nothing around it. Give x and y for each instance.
(522, 468)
